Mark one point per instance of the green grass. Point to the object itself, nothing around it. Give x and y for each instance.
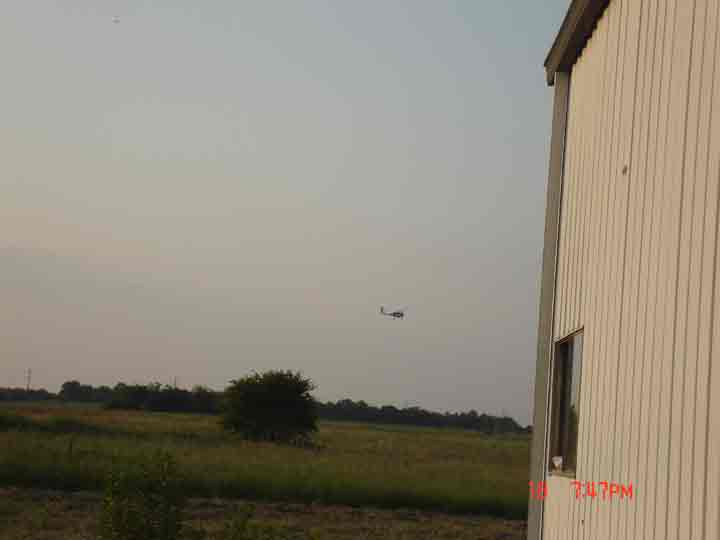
(383, 466)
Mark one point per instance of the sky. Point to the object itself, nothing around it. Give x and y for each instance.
(204, 189)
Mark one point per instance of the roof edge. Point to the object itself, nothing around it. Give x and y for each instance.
(577, 27)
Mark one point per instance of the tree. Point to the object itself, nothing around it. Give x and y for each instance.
(74, 391)
(204, 400)
(274, 406)
(70, 391)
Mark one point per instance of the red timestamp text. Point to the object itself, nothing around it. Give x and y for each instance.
(600, 490)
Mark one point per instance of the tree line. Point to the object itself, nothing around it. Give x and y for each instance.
(166, 398)
(23, 394)
(359, 411)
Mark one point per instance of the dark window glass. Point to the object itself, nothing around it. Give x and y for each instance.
(567, 372)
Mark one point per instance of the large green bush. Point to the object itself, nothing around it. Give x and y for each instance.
(272, 406)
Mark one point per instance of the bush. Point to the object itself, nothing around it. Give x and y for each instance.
(273, 406)
(9, 421)
(143, 502)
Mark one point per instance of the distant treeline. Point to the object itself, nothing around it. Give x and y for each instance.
(148, 397)
(158, 398)
(154, 397)
(359, 411)
(22, 394)
(145, 397)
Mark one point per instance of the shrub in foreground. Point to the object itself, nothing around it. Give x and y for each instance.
(143, 502)
(9, 421)
(273, 406)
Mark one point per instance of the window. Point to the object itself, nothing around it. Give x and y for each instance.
(567, 371)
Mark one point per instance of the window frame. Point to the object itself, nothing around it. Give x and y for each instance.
(560, 395)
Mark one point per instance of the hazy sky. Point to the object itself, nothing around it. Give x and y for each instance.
(208, 188)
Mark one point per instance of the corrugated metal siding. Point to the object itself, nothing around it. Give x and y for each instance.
(638, 269)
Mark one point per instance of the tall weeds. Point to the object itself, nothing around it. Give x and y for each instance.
(144, 502)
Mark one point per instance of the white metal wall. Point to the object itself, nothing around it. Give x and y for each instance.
(638, 269)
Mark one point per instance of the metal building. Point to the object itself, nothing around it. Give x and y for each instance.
(627, 392)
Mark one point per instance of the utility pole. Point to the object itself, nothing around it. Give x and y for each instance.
(29, 378)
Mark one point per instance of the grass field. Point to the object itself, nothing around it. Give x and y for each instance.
(72, 448)
(33, 514)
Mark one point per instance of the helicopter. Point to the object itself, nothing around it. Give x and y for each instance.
(397, 314)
